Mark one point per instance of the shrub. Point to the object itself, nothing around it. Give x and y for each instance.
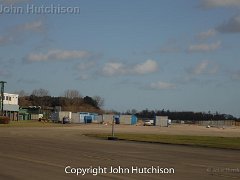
(4, 120)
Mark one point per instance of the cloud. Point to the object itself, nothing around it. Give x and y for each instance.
(36, 26)
(205, 67)
(148, 66)
(220, 3)
(32, 26)
(236, 75)
(203, 72)
(4, 40)
(4, 73)
(21, 31)
(204, 47)
(57, 55)
(162, 85)
(200, 68)
(231, 26)
(118, 68)
(170, 46)
(207, 34)
(86, 65)
(114, 68)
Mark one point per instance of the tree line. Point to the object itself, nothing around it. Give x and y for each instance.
(185, 115)
(71, 100)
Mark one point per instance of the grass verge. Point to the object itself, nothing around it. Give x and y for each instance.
(30, 123)
(201, 141)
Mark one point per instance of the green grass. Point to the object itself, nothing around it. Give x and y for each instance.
(201, 141)
(30, 123)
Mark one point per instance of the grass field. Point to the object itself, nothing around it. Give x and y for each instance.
(202, 141)
(30, 123)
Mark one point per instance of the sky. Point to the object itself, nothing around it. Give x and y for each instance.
(139, 54)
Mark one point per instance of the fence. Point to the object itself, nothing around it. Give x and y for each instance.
(237, 123)
(216, 123)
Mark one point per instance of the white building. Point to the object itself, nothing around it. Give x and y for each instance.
(10, 99)
(10, 105)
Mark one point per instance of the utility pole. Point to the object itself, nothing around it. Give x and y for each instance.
(2, 95)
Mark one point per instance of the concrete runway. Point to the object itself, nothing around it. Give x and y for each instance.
(43, 153)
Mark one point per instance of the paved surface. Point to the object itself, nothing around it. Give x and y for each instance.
(43, 153)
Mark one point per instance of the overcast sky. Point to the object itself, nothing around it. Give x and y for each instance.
(156, 54)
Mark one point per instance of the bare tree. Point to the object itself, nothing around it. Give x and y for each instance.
(23, 99)
(72, 98)
(21, 93)
(99, 100)
(71, 94)
(134, 111)
(41, 98)
(40, 92)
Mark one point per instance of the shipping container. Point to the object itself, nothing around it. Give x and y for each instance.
(161, 121)
(75, 118)
(107, 118)
(128, 119)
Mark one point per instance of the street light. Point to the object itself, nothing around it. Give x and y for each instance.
(2, 95)
(113, 137)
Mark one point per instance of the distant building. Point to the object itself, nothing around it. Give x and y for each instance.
(29, 113)
(34, 112)
(10, 106)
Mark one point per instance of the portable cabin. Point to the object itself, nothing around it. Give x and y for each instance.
(128, 119)
(161, 121)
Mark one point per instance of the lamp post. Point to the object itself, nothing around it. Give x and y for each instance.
(2, 95)
(113, 122)
(113, 137)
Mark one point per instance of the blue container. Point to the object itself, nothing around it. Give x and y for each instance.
(87, 119)
(133, 120)
(117, 120)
